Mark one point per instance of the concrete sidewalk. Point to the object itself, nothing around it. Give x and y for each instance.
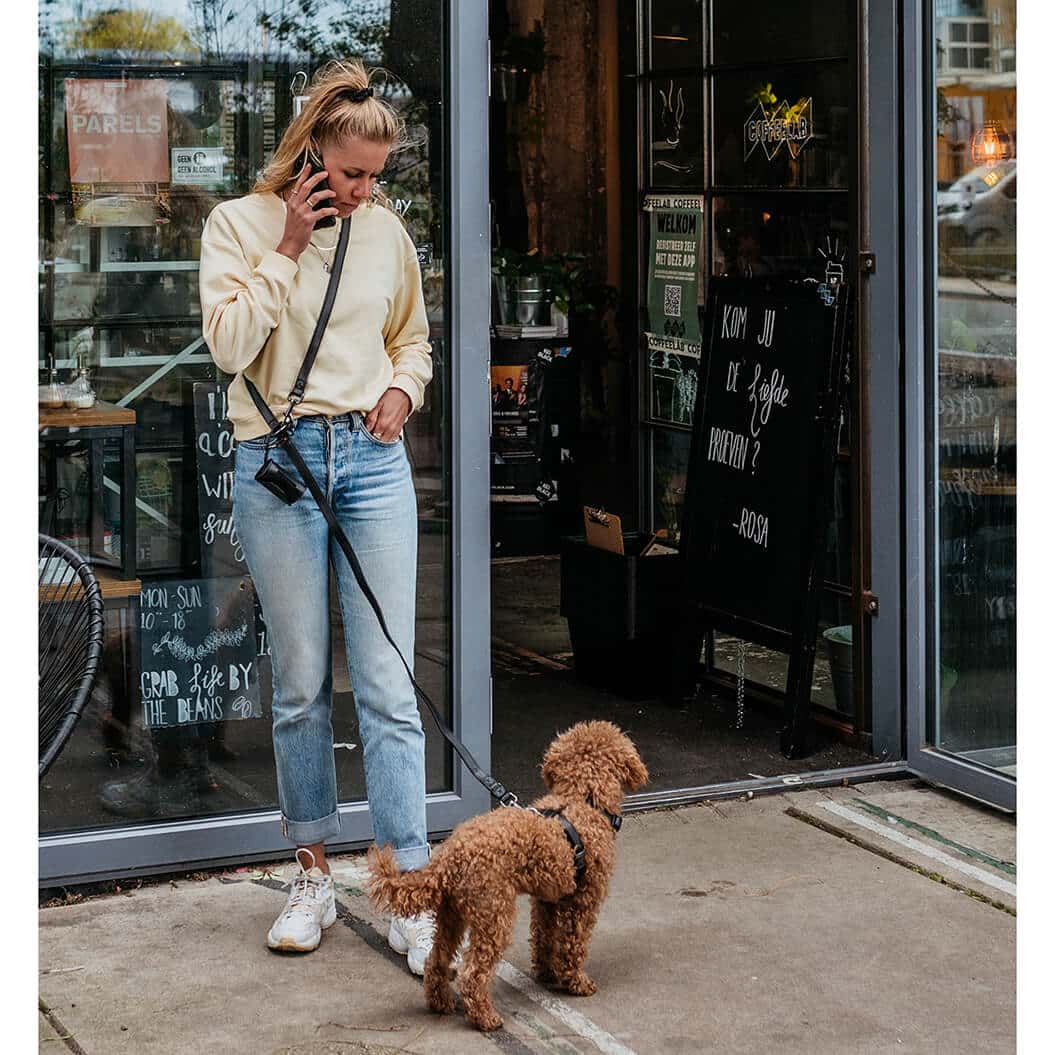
(869, 919)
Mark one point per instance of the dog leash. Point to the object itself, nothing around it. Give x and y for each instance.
(282, 433)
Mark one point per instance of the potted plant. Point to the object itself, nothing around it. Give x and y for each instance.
(519, 285)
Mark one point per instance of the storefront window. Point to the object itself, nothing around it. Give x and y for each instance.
(149, 119)
(774, 200)
(745, 29)
(677, 132)
(974, 398)
(783, 126)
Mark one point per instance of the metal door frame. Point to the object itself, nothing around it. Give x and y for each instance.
(919, 285)
(218, 841)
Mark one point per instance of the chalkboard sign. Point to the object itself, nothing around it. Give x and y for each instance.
(761, 464)
(221, 551)
(197, 652)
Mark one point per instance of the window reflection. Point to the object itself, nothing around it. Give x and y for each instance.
(747, 29)
(209, 97)
(800, 236)
(676, 28)
(974, 701)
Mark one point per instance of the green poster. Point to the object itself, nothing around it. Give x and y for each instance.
(675, 240)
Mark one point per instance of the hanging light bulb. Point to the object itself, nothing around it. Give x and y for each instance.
(990, 144)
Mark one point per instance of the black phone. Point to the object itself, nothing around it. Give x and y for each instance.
(326, 203)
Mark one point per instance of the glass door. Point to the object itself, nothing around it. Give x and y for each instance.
(965, 735)
(147, 781)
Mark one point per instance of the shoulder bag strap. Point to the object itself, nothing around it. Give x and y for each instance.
(296, 394)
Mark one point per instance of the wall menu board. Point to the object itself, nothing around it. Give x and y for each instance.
(197, 652)
(761, 465)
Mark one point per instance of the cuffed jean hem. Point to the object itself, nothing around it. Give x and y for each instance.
(411, 857)
(307, 833)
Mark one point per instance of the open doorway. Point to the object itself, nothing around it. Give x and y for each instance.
(586, 123)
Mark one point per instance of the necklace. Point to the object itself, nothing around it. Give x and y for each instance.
(326, 264)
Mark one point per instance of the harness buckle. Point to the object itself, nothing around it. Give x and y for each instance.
(579, 858)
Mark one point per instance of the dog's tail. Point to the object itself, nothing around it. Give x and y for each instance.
(404, 893)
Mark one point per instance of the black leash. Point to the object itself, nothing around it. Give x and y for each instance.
(289, 491)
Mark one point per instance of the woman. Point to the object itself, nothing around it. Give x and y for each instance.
(264, 273)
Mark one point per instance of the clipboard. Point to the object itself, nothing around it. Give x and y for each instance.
(603, 530)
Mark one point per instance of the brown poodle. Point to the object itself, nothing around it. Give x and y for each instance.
(474, 877)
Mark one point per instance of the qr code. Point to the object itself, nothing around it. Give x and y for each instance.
(672, 302)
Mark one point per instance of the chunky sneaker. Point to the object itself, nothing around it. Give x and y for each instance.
(412, 936)
(308, 912)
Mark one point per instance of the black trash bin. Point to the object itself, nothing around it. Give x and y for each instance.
(622, 612)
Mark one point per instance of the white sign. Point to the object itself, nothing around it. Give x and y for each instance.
(199, 166)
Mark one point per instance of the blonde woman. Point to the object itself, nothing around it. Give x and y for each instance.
(264, 272)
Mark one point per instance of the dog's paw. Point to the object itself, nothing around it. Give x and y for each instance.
(581, 985)
(487, 1021)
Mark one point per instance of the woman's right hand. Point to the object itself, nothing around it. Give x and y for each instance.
(300, 216)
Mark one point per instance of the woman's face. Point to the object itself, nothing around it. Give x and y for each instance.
(353, 167)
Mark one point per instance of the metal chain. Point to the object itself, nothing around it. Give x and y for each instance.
(740, 652)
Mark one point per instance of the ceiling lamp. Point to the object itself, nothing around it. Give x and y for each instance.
(991, 144)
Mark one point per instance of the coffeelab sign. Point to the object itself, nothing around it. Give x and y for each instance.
(784, 125)
(675, 240)
(117, 131)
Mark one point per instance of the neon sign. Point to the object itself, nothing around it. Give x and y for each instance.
(772, 129)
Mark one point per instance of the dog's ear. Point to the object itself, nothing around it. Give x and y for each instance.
(636, 771)
(550, 764)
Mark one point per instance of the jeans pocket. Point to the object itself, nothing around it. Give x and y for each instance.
(379, 443)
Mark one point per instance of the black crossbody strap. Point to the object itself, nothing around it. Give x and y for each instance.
(297, 392)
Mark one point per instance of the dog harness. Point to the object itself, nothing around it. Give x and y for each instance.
(578, 849)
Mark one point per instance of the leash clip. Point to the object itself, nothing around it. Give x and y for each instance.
(509, 799)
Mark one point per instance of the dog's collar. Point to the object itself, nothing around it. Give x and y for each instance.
(578, 850)
(614, 819)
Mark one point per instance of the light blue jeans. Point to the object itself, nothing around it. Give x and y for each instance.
(289, 551)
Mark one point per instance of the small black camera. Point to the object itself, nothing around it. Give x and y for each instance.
(279, 482)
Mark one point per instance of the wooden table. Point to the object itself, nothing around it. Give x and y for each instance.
(95, 426)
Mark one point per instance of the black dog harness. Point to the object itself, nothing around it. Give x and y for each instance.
(578, 849)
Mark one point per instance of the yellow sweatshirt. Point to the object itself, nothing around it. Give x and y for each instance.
(377, 336)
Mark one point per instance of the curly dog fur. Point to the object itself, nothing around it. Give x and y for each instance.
(473, 878)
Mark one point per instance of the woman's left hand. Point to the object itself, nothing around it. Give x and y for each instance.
(386, 420)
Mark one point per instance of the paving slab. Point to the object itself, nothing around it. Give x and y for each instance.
(733, 927)
(926, 829)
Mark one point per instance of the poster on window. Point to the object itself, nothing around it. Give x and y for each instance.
(117, 131)
(515, 391)
(117, 135)
(675, 243)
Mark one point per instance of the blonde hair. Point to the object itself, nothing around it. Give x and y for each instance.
(331, 115)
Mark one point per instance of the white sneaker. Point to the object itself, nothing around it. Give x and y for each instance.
(309, 910)
(412, 936)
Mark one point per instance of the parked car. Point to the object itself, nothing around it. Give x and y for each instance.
(979, 209)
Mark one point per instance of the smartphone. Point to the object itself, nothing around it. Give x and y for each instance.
(326, 203)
